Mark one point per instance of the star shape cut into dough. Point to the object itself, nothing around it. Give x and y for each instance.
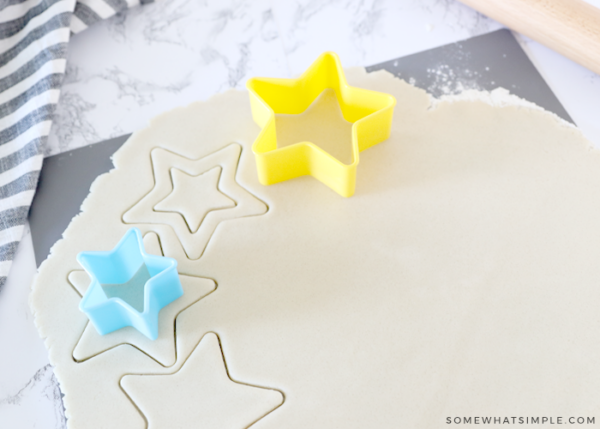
(164, 161)
(193, 210)
(370, 113)
(201, 394)
(163, 349)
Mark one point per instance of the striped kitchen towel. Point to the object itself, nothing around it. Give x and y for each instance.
(34, 35)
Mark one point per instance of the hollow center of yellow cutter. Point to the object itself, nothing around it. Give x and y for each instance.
(322, 124)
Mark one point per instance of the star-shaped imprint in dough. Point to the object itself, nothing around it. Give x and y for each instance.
(163, 349)
(195, 210)
(201, 394)
(194, 196)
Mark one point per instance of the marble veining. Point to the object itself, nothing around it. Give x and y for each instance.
(461, 17)
(29, 392)
(142, 92)
(144, 61)
(372, 31)
(70, 122)
(41, 391)
(141, 62)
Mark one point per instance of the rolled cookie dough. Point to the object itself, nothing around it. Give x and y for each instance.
(462, 279)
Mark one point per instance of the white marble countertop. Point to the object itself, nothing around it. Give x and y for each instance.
(126, 70)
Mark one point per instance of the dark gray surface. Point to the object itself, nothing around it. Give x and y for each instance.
(484, 62)
(64, 183)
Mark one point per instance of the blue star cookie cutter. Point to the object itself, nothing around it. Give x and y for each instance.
(129, 287)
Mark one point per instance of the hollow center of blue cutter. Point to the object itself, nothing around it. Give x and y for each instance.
(131, 291)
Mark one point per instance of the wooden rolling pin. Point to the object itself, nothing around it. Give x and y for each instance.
(570, 27)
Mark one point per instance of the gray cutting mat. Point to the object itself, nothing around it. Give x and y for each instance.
(484, 62)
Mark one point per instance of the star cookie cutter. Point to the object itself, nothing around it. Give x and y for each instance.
(122, 270)
(369, 111)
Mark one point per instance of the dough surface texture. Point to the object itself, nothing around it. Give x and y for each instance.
(461, 279)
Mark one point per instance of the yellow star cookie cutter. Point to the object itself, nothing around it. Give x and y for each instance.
(370, 113)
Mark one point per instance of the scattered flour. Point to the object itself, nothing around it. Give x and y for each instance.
(499, 97)
(444, 79)
(446, 84)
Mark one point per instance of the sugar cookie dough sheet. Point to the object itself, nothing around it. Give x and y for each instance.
(462, 279)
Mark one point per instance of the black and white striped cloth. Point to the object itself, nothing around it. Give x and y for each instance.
(34, 35)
